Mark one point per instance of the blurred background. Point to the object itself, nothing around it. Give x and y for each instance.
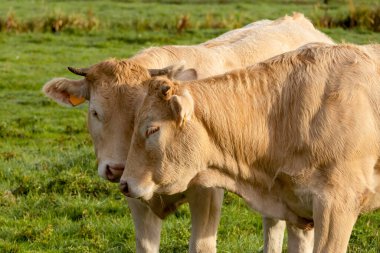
(51, 198)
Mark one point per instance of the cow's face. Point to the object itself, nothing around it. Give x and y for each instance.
(168, 149)
(110, 117)
(113, 89)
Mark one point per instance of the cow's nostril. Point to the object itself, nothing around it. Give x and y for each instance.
(124, 188)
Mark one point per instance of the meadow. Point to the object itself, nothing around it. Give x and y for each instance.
(51, 198)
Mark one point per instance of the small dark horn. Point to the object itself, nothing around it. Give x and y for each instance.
(158, 72)
(78, 71)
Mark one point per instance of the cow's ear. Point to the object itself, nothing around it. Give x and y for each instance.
(184, 75)
(182, 107)
(67, 92)
(181, 102)
(178, 72)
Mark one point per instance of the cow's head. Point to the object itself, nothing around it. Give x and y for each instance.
(113, 89)
(168, 144)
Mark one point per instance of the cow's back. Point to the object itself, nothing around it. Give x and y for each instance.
(238, 48)
(270, 39)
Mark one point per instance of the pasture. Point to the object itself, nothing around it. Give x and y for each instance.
(51, 198)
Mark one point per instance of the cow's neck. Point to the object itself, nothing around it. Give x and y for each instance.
(234, 109)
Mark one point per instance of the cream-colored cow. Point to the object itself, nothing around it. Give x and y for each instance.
(297, 136)
(114, 91)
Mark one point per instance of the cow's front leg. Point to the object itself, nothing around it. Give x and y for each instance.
(205, 206)
(299, 240)
(147, 227)
(333, 223)
(273, 235)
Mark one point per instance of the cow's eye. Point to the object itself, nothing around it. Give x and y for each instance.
(151, 130)
(95, 114)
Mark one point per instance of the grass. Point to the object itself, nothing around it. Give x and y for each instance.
(51, 199)
(57, 16)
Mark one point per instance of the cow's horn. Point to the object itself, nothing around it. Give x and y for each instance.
(78, 71)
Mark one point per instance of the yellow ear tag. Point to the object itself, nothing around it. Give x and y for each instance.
(76, 101)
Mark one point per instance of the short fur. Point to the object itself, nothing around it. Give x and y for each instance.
(114, 90)
(297, 136)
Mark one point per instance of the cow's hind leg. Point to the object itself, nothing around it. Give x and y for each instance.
(205, 206)
(147, 227)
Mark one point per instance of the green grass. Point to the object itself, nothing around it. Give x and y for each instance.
(51, 199)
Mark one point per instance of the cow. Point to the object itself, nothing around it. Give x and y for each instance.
(296, 136)
(114, 90)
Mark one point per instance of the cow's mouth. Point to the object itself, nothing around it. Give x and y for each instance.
(114, 173)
